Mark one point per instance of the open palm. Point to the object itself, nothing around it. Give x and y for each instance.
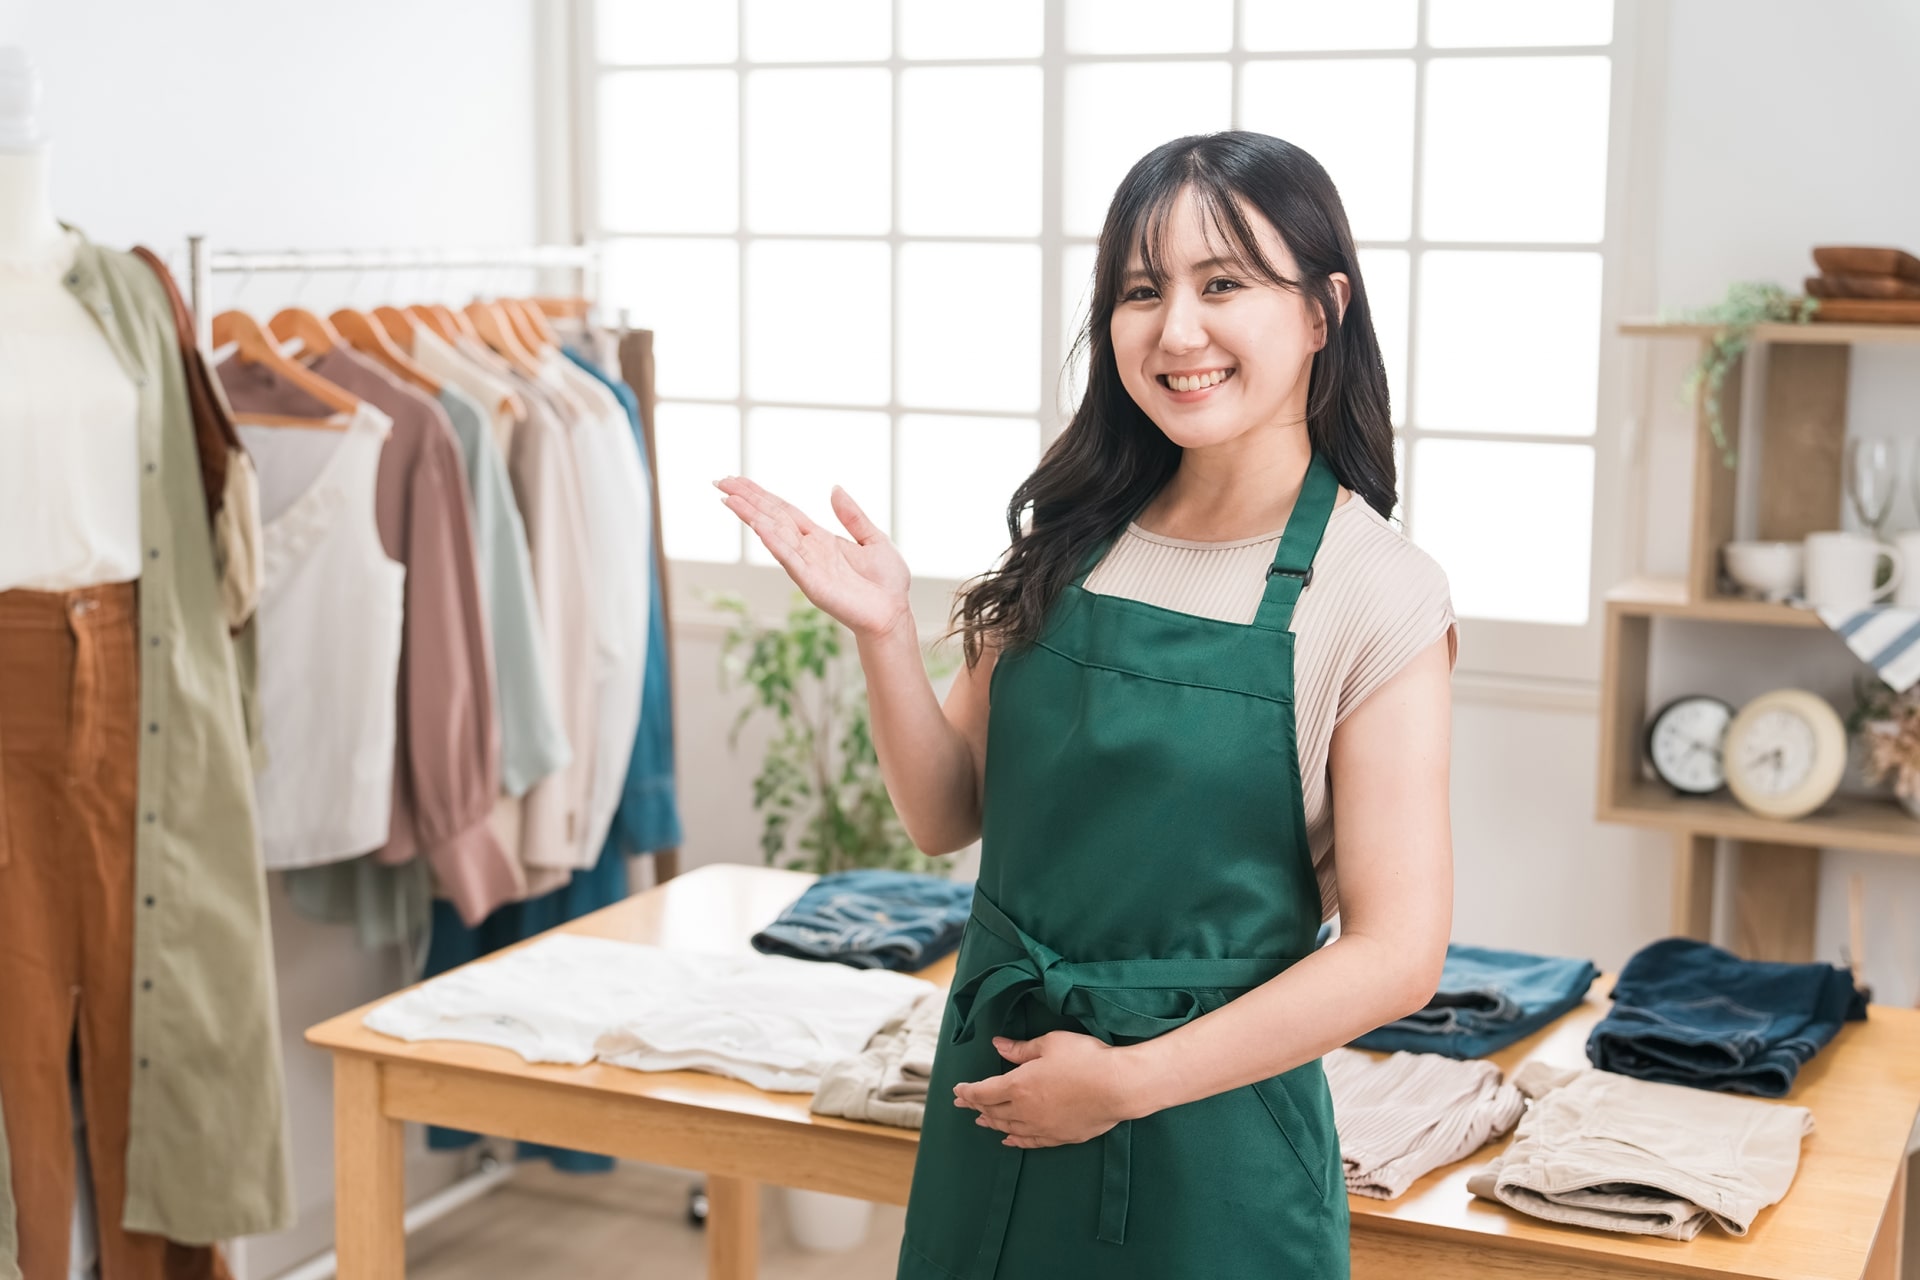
(860, 582)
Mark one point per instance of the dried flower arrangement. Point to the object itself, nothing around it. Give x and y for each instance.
(1889, 725)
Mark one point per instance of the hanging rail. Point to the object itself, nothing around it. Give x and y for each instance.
(203, 264)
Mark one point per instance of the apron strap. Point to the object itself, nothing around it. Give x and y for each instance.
(1292, 567)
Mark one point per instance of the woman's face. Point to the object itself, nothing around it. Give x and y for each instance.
(1242, 348)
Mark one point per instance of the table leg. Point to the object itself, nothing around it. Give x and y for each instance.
(733, 1228)
(1883, 1263)
(369, 1176)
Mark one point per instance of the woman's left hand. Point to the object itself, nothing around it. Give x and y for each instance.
(1064, 1088)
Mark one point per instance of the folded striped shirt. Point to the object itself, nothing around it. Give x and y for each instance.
(1404, 1116)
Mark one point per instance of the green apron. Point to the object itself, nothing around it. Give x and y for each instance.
(1144, 860)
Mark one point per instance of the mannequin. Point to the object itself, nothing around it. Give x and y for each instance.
(69, 484)
(129, 865)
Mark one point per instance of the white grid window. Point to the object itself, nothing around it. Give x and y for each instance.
(863, 231)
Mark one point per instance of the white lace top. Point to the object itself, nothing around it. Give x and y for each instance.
(328, 631)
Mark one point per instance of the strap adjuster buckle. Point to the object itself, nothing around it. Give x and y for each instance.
(1305, 575)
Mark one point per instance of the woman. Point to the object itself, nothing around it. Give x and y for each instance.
(1205, 652)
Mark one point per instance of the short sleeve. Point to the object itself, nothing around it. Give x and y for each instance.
(1406, 606)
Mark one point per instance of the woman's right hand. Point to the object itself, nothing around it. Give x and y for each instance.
(862, 583)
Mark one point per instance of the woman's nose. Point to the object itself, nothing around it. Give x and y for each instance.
(1181, 326)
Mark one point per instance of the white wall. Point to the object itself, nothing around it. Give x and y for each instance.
(272, 126)
(275, 126)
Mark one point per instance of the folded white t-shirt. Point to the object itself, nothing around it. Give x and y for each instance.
(773, 1021)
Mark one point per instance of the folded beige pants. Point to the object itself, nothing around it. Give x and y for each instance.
(1597, 1149)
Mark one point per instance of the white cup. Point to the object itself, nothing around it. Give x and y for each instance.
(1907, 596)
(1772, 570)
(1841, 568)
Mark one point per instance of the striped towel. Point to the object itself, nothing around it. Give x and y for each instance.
(1885, 638)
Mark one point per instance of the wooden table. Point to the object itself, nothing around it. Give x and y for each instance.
(1842, 1218)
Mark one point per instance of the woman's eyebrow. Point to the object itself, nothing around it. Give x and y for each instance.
(1205, 264)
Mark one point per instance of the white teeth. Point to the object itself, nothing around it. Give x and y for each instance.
(1203, 380)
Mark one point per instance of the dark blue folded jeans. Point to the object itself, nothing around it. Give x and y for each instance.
(1486, 1000)
(872, 919)
(1685, 1012)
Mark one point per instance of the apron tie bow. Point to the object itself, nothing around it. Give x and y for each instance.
(1089, 993)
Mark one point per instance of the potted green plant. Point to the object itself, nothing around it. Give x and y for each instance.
(823, 803)
(1748, 303)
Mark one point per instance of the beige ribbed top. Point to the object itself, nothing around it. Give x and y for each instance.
(1376, 601)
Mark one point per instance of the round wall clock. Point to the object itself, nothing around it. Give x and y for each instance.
(1785, 753)
(1684, 741)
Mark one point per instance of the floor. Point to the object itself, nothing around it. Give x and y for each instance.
(630, 1224)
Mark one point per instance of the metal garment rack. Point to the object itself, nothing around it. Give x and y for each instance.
(203, 264)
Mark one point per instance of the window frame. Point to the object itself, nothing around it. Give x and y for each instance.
(1559, 662)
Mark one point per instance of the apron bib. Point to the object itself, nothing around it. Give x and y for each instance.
(1144, 860)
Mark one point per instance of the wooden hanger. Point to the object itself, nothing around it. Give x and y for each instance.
(365, 335)
(430, 315)
(398, 324)
(537, 318)
(562, 308)
(315, 334)
(497, 333)
(530, 338)
(462, 327)
(437, 324)
(256, 346)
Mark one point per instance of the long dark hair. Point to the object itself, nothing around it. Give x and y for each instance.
(1112, 458)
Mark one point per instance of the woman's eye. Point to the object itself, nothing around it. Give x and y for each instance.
(1223, 280)
(1136, 295)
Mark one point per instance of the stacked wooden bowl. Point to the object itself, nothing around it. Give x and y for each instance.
(1866, 286)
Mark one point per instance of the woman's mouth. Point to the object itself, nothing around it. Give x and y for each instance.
(1185, 388)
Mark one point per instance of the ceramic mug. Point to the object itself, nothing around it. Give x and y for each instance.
(1907, 596)
(1771, 570)
(1841, 568)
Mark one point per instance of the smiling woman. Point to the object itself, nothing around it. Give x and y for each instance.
(1195, 634)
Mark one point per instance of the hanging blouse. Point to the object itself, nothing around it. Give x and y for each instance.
(329, 643)
(620, 531)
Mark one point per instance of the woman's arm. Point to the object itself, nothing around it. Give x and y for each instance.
(931, 759)
(1389, 766)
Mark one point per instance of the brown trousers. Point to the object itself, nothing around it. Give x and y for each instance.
(69, 744)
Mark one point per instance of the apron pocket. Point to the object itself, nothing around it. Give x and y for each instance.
(1305, 1128)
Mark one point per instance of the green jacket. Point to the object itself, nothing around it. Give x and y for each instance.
(206, 1159)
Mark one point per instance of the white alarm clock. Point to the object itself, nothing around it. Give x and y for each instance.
(1684, 741)
(1785, 753)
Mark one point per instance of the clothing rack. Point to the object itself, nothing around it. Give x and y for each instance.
(203, 264)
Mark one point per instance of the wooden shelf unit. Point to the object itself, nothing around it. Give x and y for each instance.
(1802, 431)
(1813, 332)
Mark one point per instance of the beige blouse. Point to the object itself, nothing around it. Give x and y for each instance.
(1375, 602)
